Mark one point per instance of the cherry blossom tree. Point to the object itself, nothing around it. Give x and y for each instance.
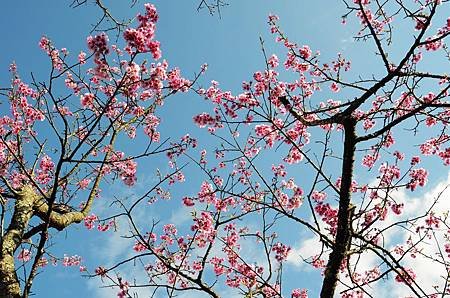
(321, 153)
(338, 171)
(57, 148)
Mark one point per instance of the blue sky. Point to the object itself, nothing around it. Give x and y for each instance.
(229, 45)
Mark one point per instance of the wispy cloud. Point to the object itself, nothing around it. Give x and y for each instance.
(429, 273)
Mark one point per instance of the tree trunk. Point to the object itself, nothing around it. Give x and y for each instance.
(23, 210)
(343, 234)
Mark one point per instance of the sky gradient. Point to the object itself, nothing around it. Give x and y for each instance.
(231, 47)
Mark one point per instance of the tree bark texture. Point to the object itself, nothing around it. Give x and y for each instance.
(23, 210)
(343, 234)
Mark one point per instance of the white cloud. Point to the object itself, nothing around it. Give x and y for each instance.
(429, 273)
(113, 247)
(308, 248)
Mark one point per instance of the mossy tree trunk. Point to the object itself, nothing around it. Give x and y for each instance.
(23, 211)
